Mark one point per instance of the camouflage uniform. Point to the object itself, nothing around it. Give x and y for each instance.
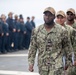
(69, 29)
(51, 47)
(74, 25)
(74, 30)
(72, 69)
(72, 34)
(74, 38)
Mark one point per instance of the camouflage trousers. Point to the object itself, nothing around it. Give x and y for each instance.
(72, 70)
(49, 71)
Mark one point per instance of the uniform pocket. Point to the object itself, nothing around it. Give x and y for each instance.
(45, 68)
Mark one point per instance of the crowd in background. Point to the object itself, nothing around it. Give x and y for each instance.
(15, 33)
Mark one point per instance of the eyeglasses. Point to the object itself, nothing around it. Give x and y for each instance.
(70, 14)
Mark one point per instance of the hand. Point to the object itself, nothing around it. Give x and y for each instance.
(14, 30)
(7, 34)
(66, 67)
(74, 63)
(31, 68)
(24, 32)
(2, 34)
(18, 30)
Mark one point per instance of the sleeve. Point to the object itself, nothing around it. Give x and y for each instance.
(1, 29)
(66, 47)
(74, 42)
(24, 28)
(28, 27)
(32, 48)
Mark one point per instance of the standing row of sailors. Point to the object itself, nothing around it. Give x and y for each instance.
(14, 33)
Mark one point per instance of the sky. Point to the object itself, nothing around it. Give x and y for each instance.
(34, 7)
